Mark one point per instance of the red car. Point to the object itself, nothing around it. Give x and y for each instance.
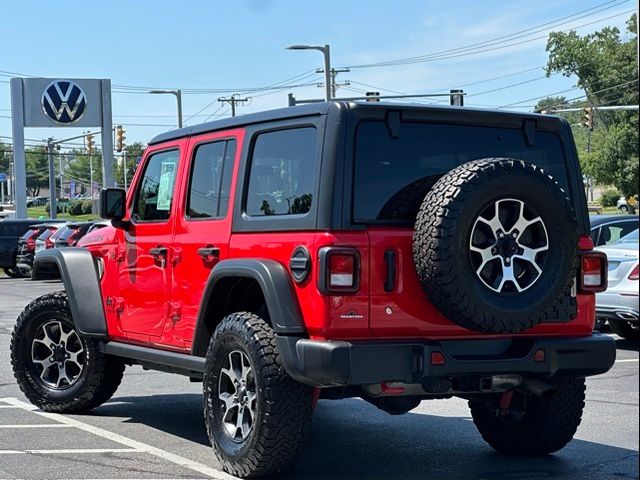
(392, 252)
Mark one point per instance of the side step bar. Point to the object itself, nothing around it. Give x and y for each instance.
(155, 359)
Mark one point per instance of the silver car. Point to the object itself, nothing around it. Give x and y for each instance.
(619, 303)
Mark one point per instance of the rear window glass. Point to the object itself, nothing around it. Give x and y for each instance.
(281, 178)
(46, 233)
(28, 234)
(392, 175)
(210, 182)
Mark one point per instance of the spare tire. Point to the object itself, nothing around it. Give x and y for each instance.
(495, 245)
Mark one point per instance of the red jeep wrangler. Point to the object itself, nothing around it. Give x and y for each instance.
(391, 252)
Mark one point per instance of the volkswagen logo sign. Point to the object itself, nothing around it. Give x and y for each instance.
(63, 101)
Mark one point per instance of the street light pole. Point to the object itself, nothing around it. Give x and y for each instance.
(327, 64)
(178, 94)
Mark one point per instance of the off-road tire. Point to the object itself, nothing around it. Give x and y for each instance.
(98, 380)
(546, 426)
(625, 330)
(441, 246)
(14, 272)
(283, 406)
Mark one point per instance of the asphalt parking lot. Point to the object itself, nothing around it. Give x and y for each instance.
(153, 428)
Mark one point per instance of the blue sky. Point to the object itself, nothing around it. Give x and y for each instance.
(239, 44)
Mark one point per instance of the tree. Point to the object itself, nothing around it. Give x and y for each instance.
(133, 151)
(551, 103)
(605, 64)
(5, 158)
(78, 169)
(37, 167)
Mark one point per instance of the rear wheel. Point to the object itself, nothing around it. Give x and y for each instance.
(257, 417)
(625, 330)
(532, 425)
(56, 368)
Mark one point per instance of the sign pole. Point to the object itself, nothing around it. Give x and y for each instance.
(106, 135)
(17, 125)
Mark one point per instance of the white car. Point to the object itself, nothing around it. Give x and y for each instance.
(619, 303)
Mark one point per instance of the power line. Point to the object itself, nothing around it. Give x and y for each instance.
(570, 99)
(455, 52)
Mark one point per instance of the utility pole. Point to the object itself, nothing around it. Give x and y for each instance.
(60, 173)
(124, 166)
(53, 208)
(233, 100)
(333, 73)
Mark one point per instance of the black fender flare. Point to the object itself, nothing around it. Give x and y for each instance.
(275, 282)
(76, 268)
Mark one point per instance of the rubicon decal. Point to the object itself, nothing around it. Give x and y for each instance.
(63, 101)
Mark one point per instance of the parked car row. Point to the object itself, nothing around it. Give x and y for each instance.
(618, 306)
(21, 239)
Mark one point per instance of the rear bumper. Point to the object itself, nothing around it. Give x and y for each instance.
(342, 363)
(25, 260)
(612, 305)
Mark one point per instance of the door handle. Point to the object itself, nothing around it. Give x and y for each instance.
(159, 254)
(158, 251)
(209, 253)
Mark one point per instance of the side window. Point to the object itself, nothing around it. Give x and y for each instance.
(210, 180)
(281, 174)
(155, 190)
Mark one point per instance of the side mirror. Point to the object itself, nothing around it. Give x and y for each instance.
(112, 203)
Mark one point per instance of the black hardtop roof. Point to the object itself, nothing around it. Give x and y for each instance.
(322, 108)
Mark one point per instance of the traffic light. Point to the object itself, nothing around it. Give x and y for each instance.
(89, 142)
(120, 138)
(587, 117)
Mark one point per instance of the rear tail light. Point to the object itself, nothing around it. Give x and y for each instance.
(72, 239)
(339, 270)
(593, 272)
(31, 241)
(48, 242)
(635, 273)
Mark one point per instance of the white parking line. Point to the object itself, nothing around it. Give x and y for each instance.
(72, 450)
(40, 425)
(625, 360)
(8, 406)
(134, 445)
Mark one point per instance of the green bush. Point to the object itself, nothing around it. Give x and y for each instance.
(610, 197)
(48, 208)
(86, 206)
(75, 207)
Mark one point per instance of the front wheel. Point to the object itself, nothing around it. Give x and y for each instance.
(532, 425)
(17, 272)
(57, 369)
(257, 417)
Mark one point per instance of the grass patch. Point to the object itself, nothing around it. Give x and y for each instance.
(40, 212)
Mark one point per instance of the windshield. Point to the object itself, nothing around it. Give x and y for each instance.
(392, 175)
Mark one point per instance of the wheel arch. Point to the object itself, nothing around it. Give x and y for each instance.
(77, 270)
(261, 286)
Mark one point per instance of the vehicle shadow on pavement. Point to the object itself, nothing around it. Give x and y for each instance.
(624, 344)
(352, 439)
(180, 414)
